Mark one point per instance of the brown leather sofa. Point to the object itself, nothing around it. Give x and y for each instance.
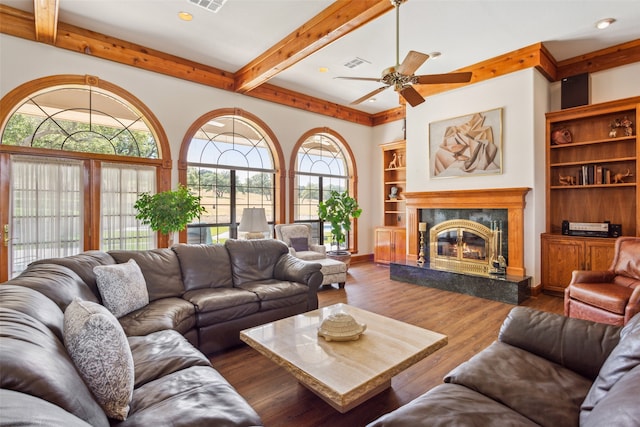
(545, 369)
(611, 296)
(200, 295)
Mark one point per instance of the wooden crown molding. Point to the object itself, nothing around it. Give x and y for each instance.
(21, 24)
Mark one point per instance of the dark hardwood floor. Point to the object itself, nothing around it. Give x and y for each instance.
(470, 323)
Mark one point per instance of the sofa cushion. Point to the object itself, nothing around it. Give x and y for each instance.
(204, 266)
(20, 409)
(100, 351)
(160, 268)
(33, 304)
(506, 374)
(82, 264)
(576, 344)
(619, 407)
(449, 405)
(196, 396)
(162, 353)
(57, 282)
(624, 357)
(254, 260)
(166, 313)
(26, 346)
(222, 304)
(122, 287)
(300, 243)
(277, 293)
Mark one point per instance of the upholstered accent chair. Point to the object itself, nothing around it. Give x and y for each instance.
(298, 238)
(611, 296)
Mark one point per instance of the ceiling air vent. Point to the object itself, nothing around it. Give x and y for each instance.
(211, 5)
(356, 62)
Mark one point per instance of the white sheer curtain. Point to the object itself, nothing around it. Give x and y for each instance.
(120, 187)
(46, 210)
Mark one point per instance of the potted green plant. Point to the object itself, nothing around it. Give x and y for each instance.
(168, 211)
(338, 210)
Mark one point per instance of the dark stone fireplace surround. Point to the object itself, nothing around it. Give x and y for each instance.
(512, 288)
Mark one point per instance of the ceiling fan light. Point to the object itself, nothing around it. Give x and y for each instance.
(604, 23)
(434, 55)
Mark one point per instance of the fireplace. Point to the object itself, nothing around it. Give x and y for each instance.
(464, 246)
(481, 206)
(470, 231)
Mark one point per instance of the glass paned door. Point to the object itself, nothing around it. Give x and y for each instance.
(46, 210)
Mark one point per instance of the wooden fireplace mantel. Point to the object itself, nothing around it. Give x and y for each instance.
(512, 199)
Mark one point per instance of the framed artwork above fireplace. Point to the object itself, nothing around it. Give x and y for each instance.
(468, 145)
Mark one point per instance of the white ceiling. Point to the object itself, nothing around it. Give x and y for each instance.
(465, 31)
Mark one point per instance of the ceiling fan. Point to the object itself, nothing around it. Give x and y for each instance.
(401, 77)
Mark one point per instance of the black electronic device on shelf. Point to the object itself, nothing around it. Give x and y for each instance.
(591, 229)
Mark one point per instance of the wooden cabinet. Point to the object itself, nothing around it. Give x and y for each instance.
(395, 180)
(563, 254)
(390, 245)
(591, 176)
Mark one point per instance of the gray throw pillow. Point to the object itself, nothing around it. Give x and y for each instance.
(300, 244)
(100, 351)
(122, 287)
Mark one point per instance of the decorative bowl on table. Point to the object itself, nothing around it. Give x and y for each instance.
(341, 327)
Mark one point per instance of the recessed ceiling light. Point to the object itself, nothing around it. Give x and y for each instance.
(323, 69)
(604, 23)
(185, 16)
(372, 99)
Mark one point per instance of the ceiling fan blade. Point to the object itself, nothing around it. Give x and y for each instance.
(411, 95)
(412, 62)
(443, 78)
(369, 95)
(370, 79)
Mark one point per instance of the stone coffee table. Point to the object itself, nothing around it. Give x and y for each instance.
(343, 373)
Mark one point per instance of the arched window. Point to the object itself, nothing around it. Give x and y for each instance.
(322, 162)
(78, 152)
(232, 161)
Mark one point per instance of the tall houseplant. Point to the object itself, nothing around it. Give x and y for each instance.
(339, 209)
(168, 211)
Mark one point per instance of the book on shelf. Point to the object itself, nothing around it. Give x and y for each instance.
(594, 175)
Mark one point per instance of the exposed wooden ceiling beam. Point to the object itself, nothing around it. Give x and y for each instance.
(46, 20)
(337, 20)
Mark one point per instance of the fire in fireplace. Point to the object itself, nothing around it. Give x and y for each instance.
(467, 246)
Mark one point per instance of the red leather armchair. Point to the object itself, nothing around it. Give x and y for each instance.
(611, 296)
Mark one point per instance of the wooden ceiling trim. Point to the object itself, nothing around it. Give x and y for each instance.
(535, 55)
(17, 23)
(46, 19)
(388, 116)
(604, 59)
(278, 95)
(336, 21)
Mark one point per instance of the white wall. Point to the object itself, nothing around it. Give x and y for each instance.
(178, 103)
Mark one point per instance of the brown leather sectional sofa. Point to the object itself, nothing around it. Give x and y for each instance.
(199, 295)
(544, 370)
